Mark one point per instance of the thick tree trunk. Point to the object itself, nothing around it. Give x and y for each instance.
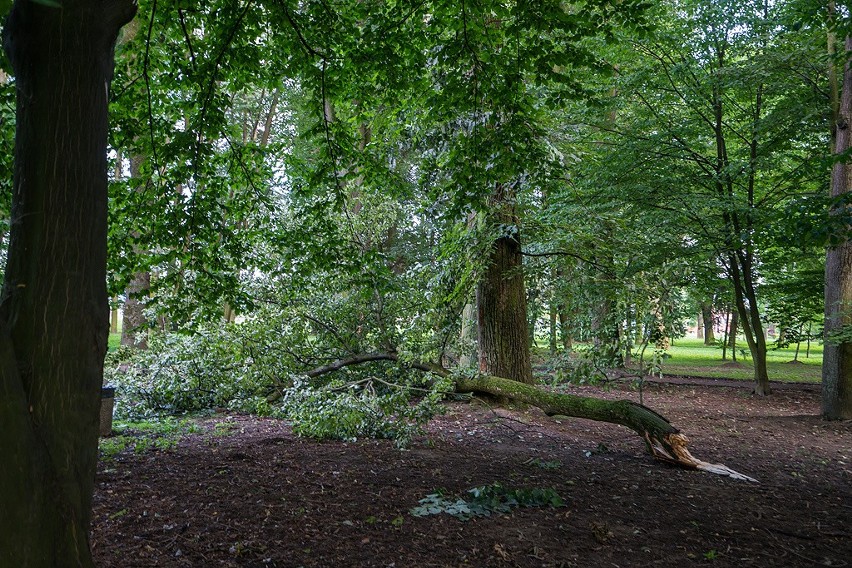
(837, 355)
(501, 305)
(54, 312)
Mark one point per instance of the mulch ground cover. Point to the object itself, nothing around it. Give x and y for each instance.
(245, 491)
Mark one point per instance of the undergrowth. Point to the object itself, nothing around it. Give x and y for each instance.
(485, 500)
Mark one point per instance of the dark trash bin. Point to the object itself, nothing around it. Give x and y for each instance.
(107, 404)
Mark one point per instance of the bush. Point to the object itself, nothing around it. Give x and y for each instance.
(350, 411)
(179, 374)
(220, 367)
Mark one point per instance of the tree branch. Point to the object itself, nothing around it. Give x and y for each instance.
(663, 441)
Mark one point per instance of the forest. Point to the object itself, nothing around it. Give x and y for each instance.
(425, 283)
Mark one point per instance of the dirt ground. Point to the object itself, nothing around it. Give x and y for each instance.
(253, 494)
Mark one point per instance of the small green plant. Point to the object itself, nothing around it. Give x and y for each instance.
(711, 555)
(485, 500)
(547, 465)
(224, 428)
(111, 447)
(144, 435)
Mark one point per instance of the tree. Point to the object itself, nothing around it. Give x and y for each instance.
(720, 124)
(54, 311)
(501, 303)
(837, 352)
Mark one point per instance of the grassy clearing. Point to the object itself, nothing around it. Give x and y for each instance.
(691, 357)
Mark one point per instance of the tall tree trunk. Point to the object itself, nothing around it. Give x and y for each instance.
(564, 332)
(739, 226)
(468, 336)
(746, 300)
(707, 316)
(54, 313)
(113, 320)
(552, 330)
(837, 354)
(134, 324)
(501, 304)
(732, 334)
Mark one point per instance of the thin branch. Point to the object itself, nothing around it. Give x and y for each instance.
(370, 357)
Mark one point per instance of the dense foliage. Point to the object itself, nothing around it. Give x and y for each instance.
(332, 177)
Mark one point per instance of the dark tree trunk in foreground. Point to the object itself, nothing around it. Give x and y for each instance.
(837, 355)
(54, 311)
(501, 304)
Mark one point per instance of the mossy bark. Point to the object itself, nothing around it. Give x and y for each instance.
(663, 441)
(501, 301)
(641, 419)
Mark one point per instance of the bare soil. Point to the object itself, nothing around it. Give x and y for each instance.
(259, 496)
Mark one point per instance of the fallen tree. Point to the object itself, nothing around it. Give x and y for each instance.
(663, 441)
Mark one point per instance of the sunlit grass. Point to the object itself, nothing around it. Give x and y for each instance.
(114, 341)
(691, 357)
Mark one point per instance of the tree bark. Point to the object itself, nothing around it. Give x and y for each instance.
(54, 310)
(662, 440)
(552, 341)
(746, 301)
(732, 333)
(837, 354)
(134, 324)
(501, 304)
(707, 316)
(113, 319)
(564, 332)
(468, 336)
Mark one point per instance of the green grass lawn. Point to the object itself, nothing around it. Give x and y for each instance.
(691, 357)
(114, 341)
